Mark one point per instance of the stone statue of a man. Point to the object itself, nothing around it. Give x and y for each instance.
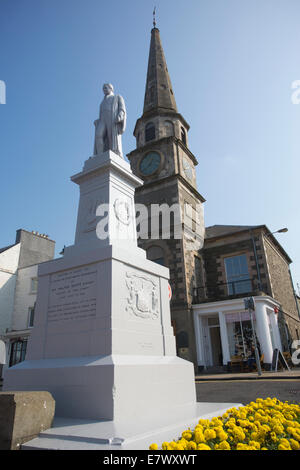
(111, 123)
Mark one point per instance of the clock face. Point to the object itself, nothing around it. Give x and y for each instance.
(150, 163)
(187, 169)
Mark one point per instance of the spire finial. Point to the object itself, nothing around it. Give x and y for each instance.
(154, 18)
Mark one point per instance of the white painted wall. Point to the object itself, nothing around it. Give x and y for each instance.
(8, 268)
(24, 297)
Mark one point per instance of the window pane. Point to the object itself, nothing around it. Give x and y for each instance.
(18, 351)
(240, 336)
(31, 317)
(34, 284)
(237, 275)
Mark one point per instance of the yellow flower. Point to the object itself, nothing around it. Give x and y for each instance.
(282, 447)
(278, 429)
(224, 445)
(199, 437)
(209, 434)
(180, 447)
(294, 444)
(153, 447)
(198, 427)
(187, 435)
(191, 445)
(239, 434)
(204, 422)
(230, 423)
(255, 444)
(241, 446)
(216, 420)
(222, 435)
(273, 436)
(203, 447)
(284, 444)
(296, 435)
(172, 444)
(249, 427)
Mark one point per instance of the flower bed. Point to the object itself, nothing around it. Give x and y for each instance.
(262, 425)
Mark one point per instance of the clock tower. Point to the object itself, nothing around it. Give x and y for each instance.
(163, 160)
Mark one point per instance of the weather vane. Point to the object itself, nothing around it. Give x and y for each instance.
(154, 19)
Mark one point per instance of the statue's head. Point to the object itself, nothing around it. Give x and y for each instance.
(108, 88)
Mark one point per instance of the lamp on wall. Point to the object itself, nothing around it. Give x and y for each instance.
(281, 230)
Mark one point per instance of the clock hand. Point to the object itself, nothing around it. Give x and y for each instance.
(149, 164)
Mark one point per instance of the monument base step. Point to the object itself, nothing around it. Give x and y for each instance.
(79, 434)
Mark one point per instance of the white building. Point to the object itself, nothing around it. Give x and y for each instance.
(9, 259)
(18, 289)
(224, 329)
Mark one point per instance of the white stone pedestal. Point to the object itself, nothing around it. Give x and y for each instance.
(102, 342)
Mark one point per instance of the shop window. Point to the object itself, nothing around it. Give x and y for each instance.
(240, 334)
(237, 275)
(17, 351)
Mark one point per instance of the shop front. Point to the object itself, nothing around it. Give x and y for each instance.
(225, 333)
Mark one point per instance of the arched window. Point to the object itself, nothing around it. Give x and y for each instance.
(149, 132)
(183, 135)
(156, 254)
(169, 128)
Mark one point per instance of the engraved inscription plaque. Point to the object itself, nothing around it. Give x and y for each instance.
(73, 295)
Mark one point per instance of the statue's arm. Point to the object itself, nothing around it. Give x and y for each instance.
(121, 109)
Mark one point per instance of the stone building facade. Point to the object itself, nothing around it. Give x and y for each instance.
(198, 276)
(18, 282)
(243, 261)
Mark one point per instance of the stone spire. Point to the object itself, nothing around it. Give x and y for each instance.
(159, 92)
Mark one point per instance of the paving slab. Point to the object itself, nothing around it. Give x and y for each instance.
(292, 374)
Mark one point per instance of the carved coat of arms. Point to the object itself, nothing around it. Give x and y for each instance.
(143, 296)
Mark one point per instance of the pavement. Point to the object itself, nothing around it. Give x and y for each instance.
(281, 375)
(246, 387)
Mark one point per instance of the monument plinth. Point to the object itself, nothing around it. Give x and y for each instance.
(102, 342)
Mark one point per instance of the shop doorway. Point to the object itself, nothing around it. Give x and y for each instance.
(212, 341)
(216, 348)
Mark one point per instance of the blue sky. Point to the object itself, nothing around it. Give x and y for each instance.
(232, 64)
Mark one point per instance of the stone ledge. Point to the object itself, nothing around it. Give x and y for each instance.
(23, 415)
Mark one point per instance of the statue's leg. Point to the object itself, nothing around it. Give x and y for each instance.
(109, 134)
(99, 137)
